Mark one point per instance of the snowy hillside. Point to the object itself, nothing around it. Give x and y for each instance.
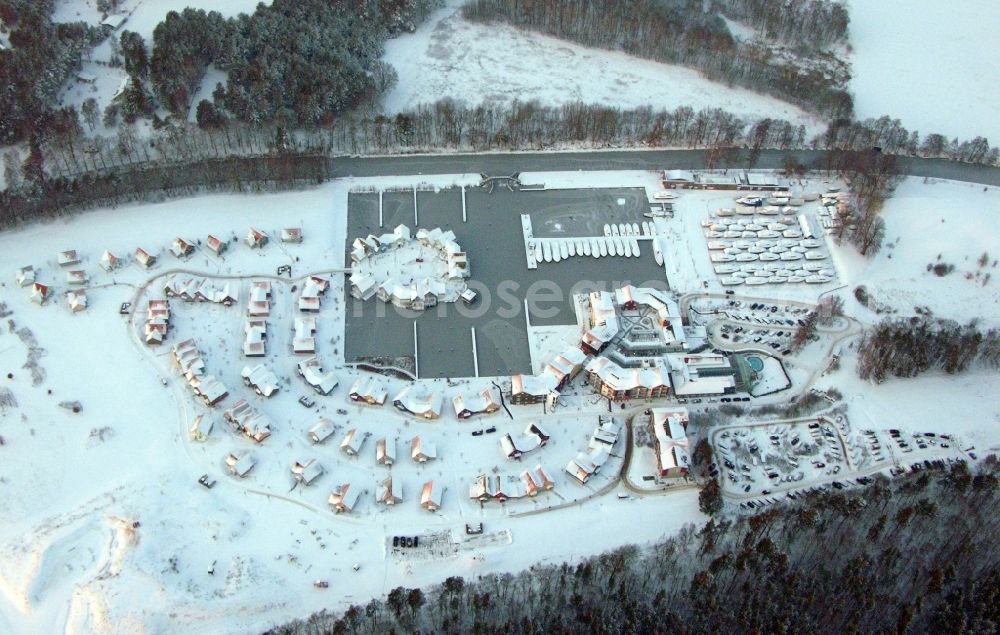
(931, 64)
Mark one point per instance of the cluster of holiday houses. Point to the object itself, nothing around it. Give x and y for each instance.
(423, 402)
(246, 419)
(590, 461)
(501, 488)
(255, 327)
(157, 323)
(198, 289)
(189, 362)
(412, 293)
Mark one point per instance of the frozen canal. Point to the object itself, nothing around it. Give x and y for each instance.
(493, 240)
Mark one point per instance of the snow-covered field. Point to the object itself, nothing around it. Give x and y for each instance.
(451, 57)
(929, 223)
(931, 64)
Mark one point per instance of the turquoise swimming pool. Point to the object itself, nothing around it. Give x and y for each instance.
(756, 363)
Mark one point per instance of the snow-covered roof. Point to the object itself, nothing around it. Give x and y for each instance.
(307, 471)
(370, 390)
(241, 464)
(261, 379)
(389, 492)
(419, 402)
(312, 372)
(322, 430)
(422, 451)
(431, 496)
(476, 403)
(671, 438)
(385, 451)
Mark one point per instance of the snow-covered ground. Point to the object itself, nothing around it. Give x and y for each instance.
(929, 223)
(931, 64)
(451, 57)
(76, 484)
(120, 534)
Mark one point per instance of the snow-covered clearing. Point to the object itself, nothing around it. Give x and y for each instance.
(925, 220)
(451, 57)
(931, 64)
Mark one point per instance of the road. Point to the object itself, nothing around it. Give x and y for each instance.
(509, 163)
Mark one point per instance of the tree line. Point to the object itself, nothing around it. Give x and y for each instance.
(908, 347)
(804, 24)
(679, 32)
(918, 554)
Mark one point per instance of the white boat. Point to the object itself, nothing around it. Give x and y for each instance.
(749, 268)
(746, 211)
(815, 255)
(614, 230)
(748, 234)
(585, 247)
(604, 247)
(790, 255)
(818, 279)
(556, 255)
(635, 248)
(663, 195)
(750, 200)
(546, 252)
(563, 249)
(726, 268)
(777, 200)
(746, 257)
(755, 280)
(811, 243)
(721, 227)
(786, 273)
(647, 229)
(770, 210)
(716, 245)
(607, 230)
(787, 242)
(827, 272)
(756, 250)
(766, 244)
(787, 209)
(737, 227)
(657, 252)
(730, 281)
(791, 233)
(803, 273)
(572, 248)
(627, 244)
(721, 258)
(635, 229)
(754, 227)
(812, 266)
(730, 234)
(797, 249)
(619, 246)
(768, 257)
(796, 279)
(595, 247)
(725, 211)
(715, 234)
(777, 227)
(767, 233)
(777, 279)
(732, 251)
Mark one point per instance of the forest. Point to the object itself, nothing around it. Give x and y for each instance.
(41, 58)
(294, 62)
(917, 554)
(682, 32)
(908, 347)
